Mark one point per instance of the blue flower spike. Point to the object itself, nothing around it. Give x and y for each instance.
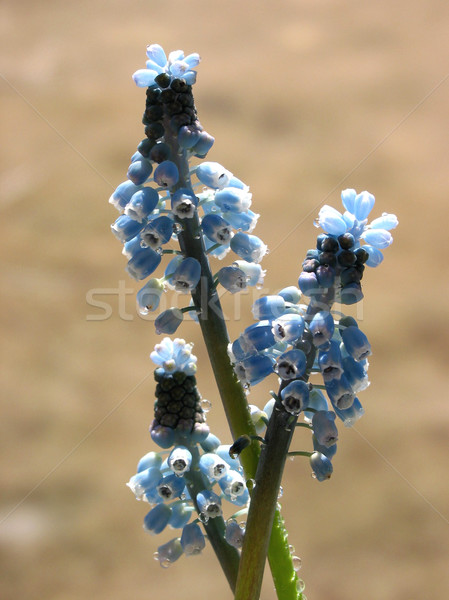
(299, 334)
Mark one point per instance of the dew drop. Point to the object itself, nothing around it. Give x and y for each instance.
(291, 548)
(206, 405)
(251, 484)
(313, 475)
(300, 586)
(203, 518)
(156, 556)
(165, 563)
(183, 496)
(281, 492)
(297, 563)
(177, 228)
(291, 458)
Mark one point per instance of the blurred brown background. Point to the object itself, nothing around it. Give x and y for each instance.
(304, 99)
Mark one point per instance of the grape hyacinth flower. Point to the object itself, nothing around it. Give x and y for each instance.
(160, 205)
(197, 474)
(317, 340)
(181, 213)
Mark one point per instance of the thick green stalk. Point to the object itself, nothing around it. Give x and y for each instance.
(261, 516)
(264, 499)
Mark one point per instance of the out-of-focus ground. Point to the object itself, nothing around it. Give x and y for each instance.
(304, 99)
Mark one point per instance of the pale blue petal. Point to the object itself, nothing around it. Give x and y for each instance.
(156, 53)
(178, 68)
(151, 64)
(190, 77)
(144, 77)
(331, 221)
(375, 256)
(175, 55)
(363, 205)
(193, 60)
(379, 238)
(348, 197)
(386, 221)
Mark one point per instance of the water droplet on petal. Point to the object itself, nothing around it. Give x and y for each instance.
(300, 586)
(297, 563)
(165, 563)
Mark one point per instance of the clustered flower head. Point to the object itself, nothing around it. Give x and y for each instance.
(169, 481)
(297, 341)
(157, 202)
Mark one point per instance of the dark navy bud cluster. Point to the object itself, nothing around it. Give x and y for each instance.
(187, 482)
(347, 246)
(301, 341)
(155, 207)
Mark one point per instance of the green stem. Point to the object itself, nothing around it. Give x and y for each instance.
(261, 516)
